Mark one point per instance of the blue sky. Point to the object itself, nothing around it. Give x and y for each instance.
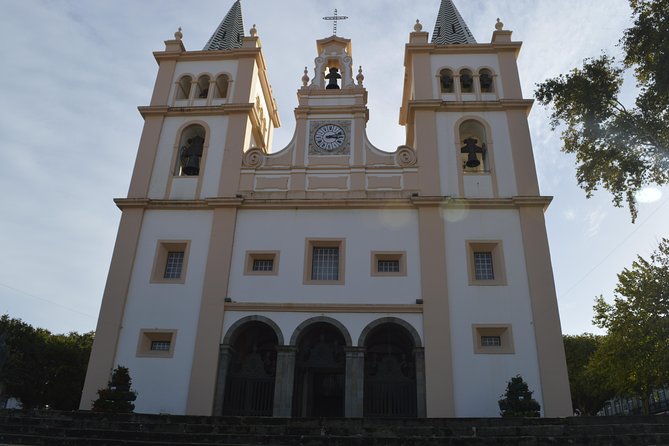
(74, 73)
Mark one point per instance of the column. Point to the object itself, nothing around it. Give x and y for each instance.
(284, 379)
(419, 359)
(355, 382)
(224, 358)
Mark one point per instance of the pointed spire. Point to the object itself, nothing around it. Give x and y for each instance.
(450, 28)
(229, 33)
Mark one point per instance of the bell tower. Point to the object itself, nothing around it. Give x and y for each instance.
(466, 117)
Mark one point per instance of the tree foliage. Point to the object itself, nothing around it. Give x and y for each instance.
(617, 147)
(517, 401)
(39, 368)
(118, 397)
(589, 387)
(634, 356)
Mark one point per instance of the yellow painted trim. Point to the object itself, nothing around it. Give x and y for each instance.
(322, 308)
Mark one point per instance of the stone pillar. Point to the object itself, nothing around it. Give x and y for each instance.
(355, 382)
(224, 358)
(419, 359)
(284, 379)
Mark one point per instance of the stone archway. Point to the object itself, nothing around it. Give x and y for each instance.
(320, 369)
(391, 369)
(247, 368)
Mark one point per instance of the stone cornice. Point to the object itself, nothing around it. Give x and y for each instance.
(414, 201)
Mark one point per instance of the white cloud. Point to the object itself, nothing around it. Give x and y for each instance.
(593, 221)
(649, 195)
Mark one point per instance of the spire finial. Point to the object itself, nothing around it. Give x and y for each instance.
(360, 77)
(499, 26)
(418, 27)
(334, 18)
(305, 78)
(178, 35)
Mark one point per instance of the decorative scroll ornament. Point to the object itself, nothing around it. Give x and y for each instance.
(254, 158)
(406, 156)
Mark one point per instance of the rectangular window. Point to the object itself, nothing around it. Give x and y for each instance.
(261, 263)
(324, 262)
(389, 263)
(175, 261)
(160, 346)
(156, 343)
(170, 262)
(493, 339)
(485, 262)
(483, 269)
(388, 266)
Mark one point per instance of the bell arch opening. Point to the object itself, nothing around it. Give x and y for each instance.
(473, 146)
(191, 148)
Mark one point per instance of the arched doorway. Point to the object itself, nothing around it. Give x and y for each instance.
(249, 387)
(320, 367)
(390, 372)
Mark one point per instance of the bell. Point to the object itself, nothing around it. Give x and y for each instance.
(192, 166)
(332, 77)
(191, 154)
(472, 160)
(486, 82)
(446, 82)
(467, 81)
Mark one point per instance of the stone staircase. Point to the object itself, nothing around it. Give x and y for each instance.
(54, 428)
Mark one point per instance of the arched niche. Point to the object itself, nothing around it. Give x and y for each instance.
(473, 141)
(202, 87)
(190, 151)
(183, 87)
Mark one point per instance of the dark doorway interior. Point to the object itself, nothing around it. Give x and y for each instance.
(319, 372)
(390, 373)
(249, 389)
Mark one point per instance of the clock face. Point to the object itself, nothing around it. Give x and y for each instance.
(329, 137)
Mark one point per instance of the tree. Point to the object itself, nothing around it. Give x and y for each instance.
(634, 355)
(39, 368)
(589, 388)
(618, 147)
(518, 401)
(118, 397)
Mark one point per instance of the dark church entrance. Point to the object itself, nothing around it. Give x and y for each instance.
(319, 372)
(249, 389)
(390, 373)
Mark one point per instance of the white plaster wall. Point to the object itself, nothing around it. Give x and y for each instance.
(478, 186)
(480, 379)
(500, 149)
(183, 188)
(164, 306)
(355, 323)
(364, 231)
(163, 166)
(456, 62)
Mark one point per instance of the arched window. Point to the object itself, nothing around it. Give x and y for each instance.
(202, 87)
(486, 81)
(466, 81)
(191, 146)
(446, 81)
(221, 90)
(473, 146)
(183, 87)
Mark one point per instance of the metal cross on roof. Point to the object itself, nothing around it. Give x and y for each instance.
(335, 17)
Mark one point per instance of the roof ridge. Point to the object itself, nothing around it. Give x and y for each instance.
(450, 28)
(229, 33)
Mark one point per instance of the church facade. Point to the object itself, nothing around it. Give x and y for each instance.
(331, 278)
